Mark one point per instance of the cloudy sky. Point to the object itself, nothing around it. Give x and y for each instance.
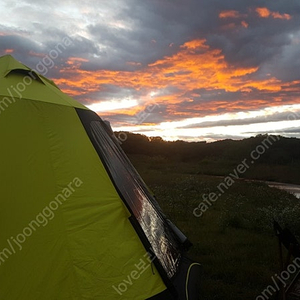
(181, 69)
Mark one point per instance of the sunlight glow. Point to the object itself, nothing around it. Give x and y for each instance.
(191, 130)
(112, 105)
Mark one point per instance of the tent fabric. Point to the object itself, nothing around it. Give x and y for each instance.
(68, 231)
(89, 245)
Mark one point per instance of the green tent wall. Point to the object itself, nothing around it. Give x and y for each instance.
(76, 220)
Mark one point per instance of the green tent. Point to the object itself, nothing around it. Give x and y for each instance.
(77, 221)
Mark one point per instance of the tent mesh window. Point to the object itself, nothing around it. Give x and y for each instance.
(138, 198)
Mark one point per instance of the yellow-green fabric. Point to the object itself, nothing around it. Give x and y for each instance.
(88, 246)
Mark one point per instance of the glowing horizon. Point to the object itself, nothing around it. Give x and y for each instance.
(170, 131)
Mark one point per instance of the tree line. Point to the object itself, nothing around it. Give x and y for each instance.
(284, 151)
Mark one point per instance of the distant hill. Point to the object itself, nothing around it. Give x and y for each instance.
(269, 157)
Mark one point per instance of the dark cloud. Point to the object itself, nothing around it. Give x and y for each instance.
(149, 30)
(18, 43)
(106, 92)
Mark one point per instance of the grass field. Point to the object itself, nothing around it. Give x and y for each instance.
(233, 239)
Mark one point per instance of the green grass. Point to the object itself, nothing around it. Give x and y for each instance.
(233, 239)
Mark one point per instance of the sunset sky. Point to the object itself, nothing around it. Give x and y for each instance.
(181, 69)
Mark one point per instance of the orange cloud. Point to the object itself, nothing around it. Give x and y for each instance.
(194, 67)
(229, 14)
(291, 86)
(244, 24)
(208, 69)
(277, 15)
(73, 60)
(264, 12)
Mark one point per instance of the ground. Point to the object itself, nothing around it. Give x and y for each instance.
(233, 238)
